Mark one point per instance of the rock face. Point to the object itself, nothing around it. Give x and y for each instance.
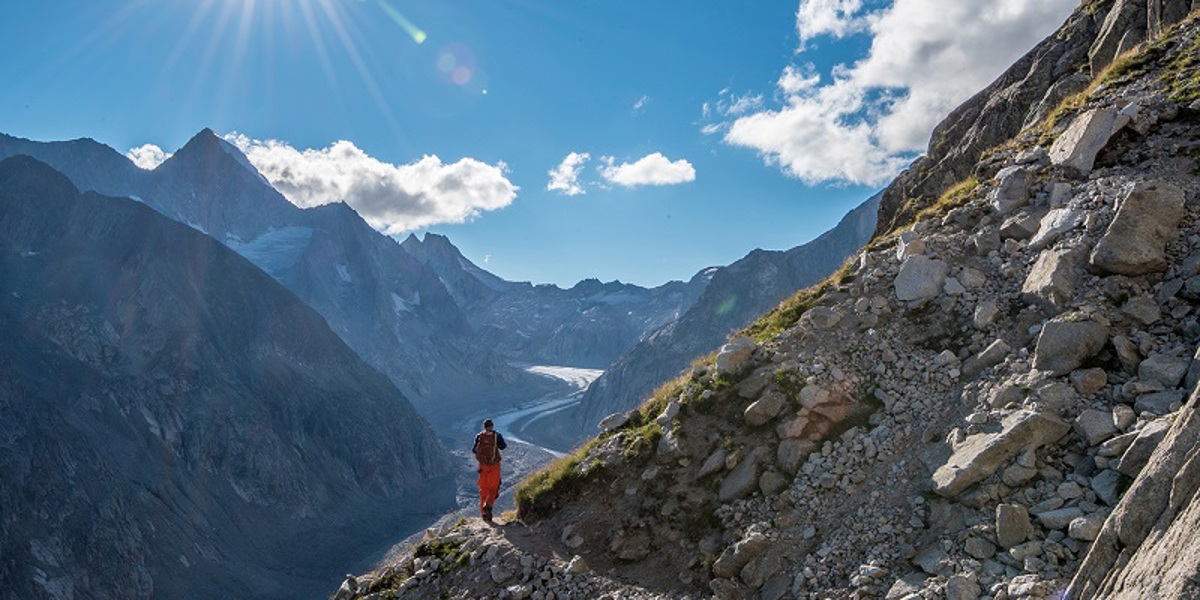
(1078, 146)
(174, 419)
(1148, 547)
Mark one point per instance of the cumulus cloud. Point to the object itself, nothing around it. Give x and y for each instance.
(392, 198)
(864, 121)
(837, 18)
(565, 177)
(147, 156)
(652, 169)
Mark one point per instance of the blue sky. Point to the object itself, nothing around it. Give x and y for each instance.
(710, 129)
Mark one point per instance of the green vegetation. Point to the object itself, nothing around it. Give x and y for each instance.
(540, 491)
(1181, 76)
(449, 551)
(788, 313)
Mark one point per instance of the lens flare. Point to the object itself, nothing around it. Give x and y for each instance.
(418, 35)
(456, 64)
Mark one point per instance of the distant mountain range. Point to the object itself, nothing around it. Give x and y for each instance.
(174, 422)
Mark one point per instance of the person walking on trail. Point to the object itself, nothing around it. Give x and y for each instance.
(488, 444)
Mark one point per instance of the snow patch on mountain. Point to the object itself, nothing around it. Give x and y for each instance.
(276, 250)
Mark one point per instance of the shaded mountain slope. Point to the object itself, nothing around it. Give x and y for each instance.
(737, 294)
(173, 421)
(386, 305)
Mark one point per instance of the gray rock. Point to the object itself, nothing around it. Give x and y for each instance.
(763, 410)
(1107, 486)
(963, 587)
(715, 462)
(823, 317)
(613, 421)
(1086, 528)
(1087, 135)
(1163, 369)
(735, 355)
(972, 279)
(742, 480)
(738, 555)
(1089, 381)
(1138, 453)
(1020, 227)
(753, 385)
(920, 278)
(1158, 403)
(1095, 426)
(1193, 374)
(1054, 278)
(980, 455)
(931, 559)
(1054, 224)
(500, 573)
(986, 313)
(1136, 240)
(577, 565)
(1056, 395)
(771, 483)
(1012, 525)
(1127, 353)
(952, 287)
(791, 452)
(991, 356)
(1142, 309)
(630, 544)
(1005, 395)
(1059, 518)
(1117, 445)
(1064, 345)
(909, 243)
(980, 548)
(1011, 191)
(1123, 416)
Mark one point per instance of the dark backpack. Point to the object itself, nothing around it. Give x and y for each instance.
(485, 448)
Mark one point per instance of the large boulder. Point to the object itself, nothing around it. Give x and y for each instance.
(981, 455)
(1011, 191)
(1064, 344)
(1087, 135)
(1136, 240)
(737, 556)
(920, 278)
(743, 479)
(1055, 276)
(734, 356)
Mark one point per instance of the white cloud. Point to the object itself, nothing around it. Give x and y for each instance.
(640, 104)
(864, 121)
(838, 18)
(565, 177)
(652, 169)
(392, 198)
(148, 156)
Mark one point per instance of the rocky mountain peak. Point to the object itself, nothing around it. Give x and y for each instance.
(997, 399)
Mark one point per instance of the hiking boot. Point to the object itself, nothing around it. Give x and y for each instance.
(487, 514)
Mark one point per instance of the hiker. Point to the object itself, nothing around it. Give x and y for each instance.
(488, 444)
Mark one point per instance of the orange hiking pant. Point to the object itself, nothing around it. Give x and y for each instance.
(489, 484)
